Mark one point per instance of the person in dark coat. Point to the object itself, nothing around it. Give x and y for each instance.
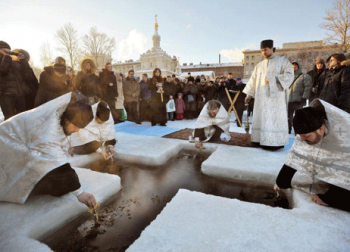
(202, 92)
(336, 87)
(52, 82)
(190, 92)
(212, 91)
(239, 104)
(32, 86)
(109, 89)
(145, 99)
(87, 83)
(316, 75)
(131, 94)
(169, 88)
(157, 104)
(222, 95)
(178, 86)
(13, 77)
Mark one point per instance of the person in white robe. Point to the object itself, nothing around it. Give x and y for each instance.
(321, 152)
(98, 136)
(268, 85)
(34, 151)
(212, 123)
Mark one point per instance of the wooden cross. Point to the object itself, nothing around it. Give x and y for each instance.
(232, 107)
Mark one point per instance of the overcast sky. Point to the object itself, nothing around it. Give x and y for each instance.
(196, 31)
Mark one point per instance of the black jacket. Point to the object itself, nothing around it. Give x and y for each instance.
(336, 87)
(108, 85)
(317, 81)
(50, 86)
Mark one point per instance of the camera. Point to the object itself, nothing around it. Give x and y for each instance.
(13, 53)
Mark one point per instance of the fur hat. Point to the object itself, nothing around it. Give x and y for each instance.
(79, 113)
(3, 44)
(60, 65)
(307, 120)
(266, 43)
(102, 111)
(191, 79)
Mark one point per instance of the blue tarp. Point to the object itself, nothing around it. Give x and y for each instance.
(145, 130)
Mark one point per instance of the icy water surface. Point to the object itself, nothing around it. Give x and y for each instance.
(146, 191)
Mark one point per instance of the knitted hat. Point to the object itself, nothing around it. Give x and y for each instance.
(60, 65)
(307, 120)
(3, 44)
(266, 43)
(102, 111)
(238, 78)
(79, 113)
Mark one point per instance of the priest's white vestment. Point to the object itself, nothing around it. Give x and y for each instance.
(270, 117)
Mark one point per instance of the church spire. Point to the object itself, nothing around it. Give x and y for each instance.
(156, 37)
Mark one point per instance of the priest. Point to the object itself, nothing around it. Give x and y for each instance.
(34, 151)
(212, 124)
(268, 85)
(321, 151)
(98, 136)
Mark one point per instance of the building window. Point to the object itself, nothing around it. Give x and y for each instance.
(247, 57)
(252, 64)
(258, 57)
(253, 57)
(247, 72)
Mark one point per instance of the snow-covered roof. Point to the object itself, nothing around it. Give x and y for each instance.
(205, 73)
(214, 65)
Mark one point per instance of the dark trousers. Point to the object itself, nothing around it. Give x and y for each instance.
(201, 135)
(131, 109)
(12, 105)
(145, 110)
(292, 106)
(58, 182)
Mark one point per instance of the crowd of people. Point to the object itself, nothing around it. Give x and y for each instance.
(277, 91)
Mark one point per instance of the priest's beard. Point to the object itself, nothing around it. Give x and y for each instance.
(316, 141)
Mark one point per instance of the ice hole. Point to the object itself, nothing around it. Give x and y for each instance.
(146, 190)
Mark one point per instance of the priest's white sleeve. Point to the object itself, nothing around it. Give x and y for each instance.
(76, 193)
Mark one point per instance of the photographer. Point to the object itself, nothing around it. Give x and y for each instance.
(12, 81)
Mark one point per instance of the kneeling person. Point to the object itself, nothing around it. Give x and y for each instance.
(212, 124)
(98, 136)
(321, 150)
(34, 151)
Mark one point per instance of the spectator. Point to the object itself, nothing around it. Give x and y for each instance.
(109, 89)
(119, 104)
(13, 77)
(222, 93)
(316, 74)
(240, 104)
(145, 99)
(299, 91)
(190, 92)
(169, 88)
(52, 82)
(157, 99)
(336, 87)
(87, 83)
(131, 94)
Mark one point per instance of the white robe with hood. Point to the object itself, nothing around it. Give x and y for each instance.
(270, 117)
(328, 160)
(221, 120)
(94, 131)
(31, 145)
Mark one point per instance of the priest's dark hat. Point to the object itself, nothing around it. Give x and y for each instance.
(266, 43)
(307, 120)
(79, 113)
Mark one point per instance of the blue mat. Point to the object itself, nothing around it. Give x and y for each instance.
(290, 144)
(144, 130)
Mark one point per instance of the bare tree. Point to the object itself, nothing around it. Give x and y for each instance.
(69, 41)
(337, 22)
(99, 46)
(46, 55)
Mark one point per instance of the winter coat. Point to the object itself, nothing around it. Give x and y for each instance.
(169, 89)
(190, 89)
(131, 86)
(120, 100)
(301, 86)
(241, 96)
(317, 78)
(51, 86)
(157, 105)
(336, 87)
(13, 76)
(180, 106)
(86, 81)
(108, 85)
(178, 88)
(202, 90)
(145, 93)
(212, 93)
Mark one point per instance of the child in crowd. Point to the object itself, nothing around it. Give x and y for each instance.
(170, 108)
(180, 107)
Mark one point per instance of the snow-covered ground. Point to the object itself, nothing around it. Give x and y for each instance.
(192, 221)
